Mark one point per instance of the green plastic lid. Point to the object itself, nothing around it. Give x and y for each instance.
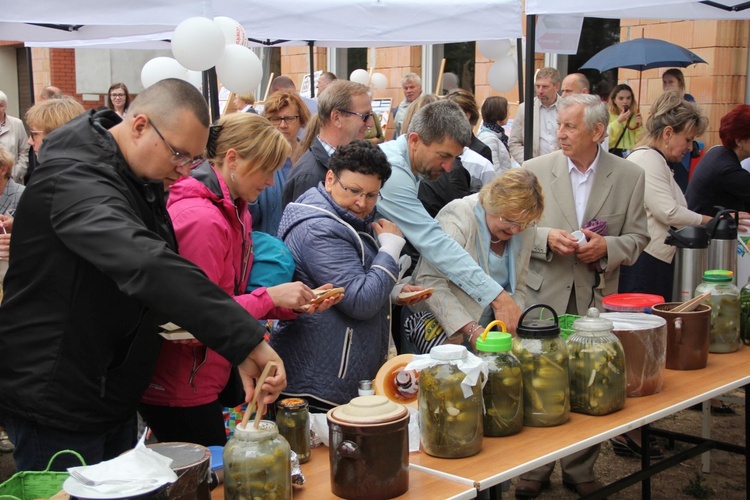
(718, 276)
(495, 342)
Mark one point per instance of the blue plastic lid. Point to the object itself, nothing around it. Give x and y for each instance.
(217, 457)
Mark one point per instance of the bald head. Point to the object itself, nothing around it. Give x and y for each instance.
(282, 82)
(575, 83)
(50, 92)
(167, 100)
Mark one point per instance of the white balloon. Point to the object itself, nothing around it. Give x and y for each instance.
(360, 76)
(379, 81)
(493, 49)
(503, 74)
(198, 43)
(239, 69)
(161, 68)
(234, 33)
(195, 78)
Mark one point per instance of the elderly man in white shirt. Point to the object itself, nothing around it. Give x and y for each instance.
(547, 84)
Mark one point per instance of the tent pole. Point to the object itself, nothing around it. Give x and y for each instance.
(519, 58)
(30, 69)
(311, 44)
(213, 94)
(528, 124)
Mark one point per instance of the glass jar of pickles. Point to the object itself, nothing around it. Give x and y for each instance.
(293, 420)
(503, 392)
(725, 310)
(544, 366)
(450, 401)
(597, 366)
(257, 464)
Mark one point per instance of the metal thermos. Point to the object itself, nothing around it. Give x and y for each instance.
(691, 259)
(722, 252)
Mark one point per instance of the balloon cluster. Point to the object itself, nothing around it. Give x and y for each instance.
(378, 80)
(503, 74)
(198, 44)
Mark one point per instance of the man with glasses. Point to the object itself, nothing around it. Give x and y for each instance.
(582, 184)
(345, 114)
(93, 273)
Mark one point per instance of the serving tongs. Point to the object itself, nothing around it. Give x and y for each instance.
(268, 371)
(691, 304)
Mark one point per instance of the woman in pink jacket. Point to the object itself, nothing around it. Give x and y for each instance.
(213, 229)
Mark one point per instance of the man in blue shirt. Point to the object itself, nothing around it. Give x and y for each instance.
(436, 136)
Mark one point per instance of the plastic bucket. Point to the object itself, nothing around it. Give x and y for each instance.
(644, 341)
(631, 302)
(687, 336)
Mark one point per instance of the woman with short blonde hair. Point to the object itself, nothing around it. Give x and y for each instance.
(496, 227)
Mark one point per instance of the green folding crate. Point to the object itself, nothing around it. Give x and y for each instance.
(566, 324)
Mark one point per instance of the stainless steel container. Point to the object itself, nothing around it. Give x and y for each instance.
(722, 252)
(691, 259)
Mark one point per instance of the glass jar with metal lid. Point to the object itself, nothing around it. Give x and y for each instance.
(725, 310)
(257, 463)
(544, 365)
(503, 392)
(293, 420)
(597, 366)
(450, 401)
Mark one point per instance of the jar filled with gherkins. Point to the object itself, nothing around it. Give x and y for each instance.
(257, 463)
(597, 366)
(293, 420)
(725, 310)
(450, 401)
(503, 391)
(544, 365)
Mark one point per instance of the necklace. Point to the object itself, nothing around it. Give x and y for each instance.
(495, 241)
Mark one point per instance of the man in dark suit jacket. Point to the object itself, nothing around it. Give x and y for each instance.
(345, 113)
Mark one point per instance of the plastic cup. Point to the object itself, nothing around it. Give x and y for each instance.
(580, 237)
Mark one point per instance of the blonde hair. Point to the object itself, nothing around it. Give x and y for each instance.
(516, 191)
(7, 160)
(248, 98)
(671, 110)
(254, 139)
(53, 113)
(415, 106)
(282, 99)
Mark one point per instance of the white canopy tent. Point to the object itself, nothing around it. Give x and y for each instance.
(329, 23)
(643, 9)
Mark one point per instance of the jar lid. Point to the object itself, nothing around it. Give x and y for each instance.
(631, 302)
(448, 352)
(368, 410)
(495, 342)
(592, 322)
(718, 276)
(292, 403)
(538, 328)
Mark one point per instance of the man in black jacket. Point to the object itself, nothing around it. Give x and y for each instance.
(94, 272)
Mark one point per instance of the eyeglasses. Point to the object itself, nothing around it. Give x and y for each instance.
(358, 192)
(178, 159)
(116, 96)
(36, 132)
(364, 116)
(289, 119)
(522, 226)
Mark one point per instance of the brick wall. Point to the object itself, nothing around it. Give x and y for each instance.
(717, 86)
(58, 67)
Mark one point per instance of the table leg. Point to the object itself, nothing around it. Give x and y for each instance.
(706, 434)
(747, 436)
(645, 461)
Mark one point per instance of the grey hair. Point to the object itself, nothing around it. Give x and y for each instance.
(3, 97)
(338, 95)
(594, 110)
(439, 120)
(549, 73)
(411, 76)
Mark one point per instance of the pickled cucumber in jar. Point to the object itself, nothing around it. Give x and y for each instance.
(598, 380)
(503, 391)
(725, 310)
(546, 389)
(293, 420)
(450, 407)
(257, 464)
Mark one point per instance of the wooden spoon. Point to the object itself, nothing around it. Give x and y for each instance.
(268, 371)
(691, 304)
